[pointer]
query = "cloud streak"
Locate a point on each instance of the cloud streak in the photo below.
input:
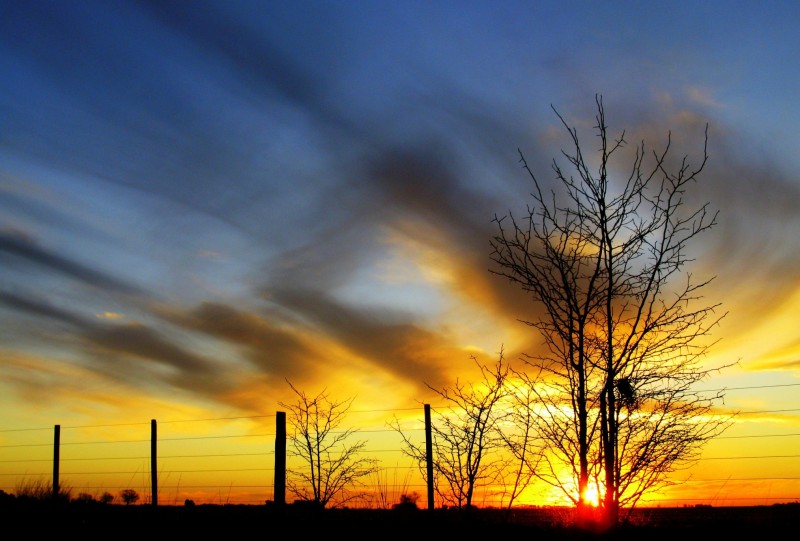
(22, 249)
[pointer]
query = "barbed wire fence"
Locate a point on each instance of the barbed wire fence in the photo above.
(224, 460)
(231, 461)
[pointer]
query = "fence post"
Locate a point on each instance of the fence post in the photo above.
(280, 458)
(56, 458)
(429, 454)
(154, 462)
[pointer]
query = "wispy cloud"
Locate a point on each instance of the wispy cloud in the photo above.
(29, 253)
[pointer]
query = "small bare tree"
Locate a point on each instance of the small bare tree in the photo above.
(465, 436)
(330, 455)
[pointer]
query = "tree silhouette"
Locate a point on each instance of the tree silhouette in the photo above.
(330, 456)
(129, 496)
(601, 255)
(521, 436)
(466, 436)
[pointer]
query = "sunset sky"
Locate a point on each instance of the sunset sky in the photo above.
(202, 199)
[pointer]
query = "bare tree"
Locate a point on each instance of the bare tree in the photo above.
(465, 436)
(623, 343)
(521, 436)
(331, 456)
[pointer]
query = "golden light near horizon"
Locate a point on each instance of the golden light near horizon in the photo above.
(193, 459)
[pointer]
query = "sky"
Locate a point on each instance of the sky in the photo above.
(202, 201)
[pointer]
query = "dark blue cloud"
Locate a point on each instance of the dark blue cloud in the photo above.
(20, 248)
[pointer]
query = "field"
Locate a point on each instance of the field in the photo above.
(96, 521)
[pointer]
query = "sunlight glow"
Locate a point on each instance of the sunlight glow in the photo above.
(591, 496)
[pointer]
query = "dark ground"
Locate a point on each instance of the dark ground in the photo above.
(98, 521)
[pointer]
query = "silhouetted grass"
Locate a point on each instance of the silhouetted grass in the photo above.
(41, 489)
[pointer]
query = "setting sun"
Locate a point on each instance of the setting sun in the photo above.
(591, 496)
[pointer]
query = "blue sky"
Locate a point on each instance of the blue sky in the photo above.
(199, 200)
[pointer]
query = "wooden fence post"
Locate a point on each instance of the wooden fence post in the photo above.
(154, 463)
(280, 458)
(56, 459)
(429, 454)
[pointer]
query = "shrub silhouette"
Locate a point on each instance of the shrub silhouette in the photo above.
(129, 496)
